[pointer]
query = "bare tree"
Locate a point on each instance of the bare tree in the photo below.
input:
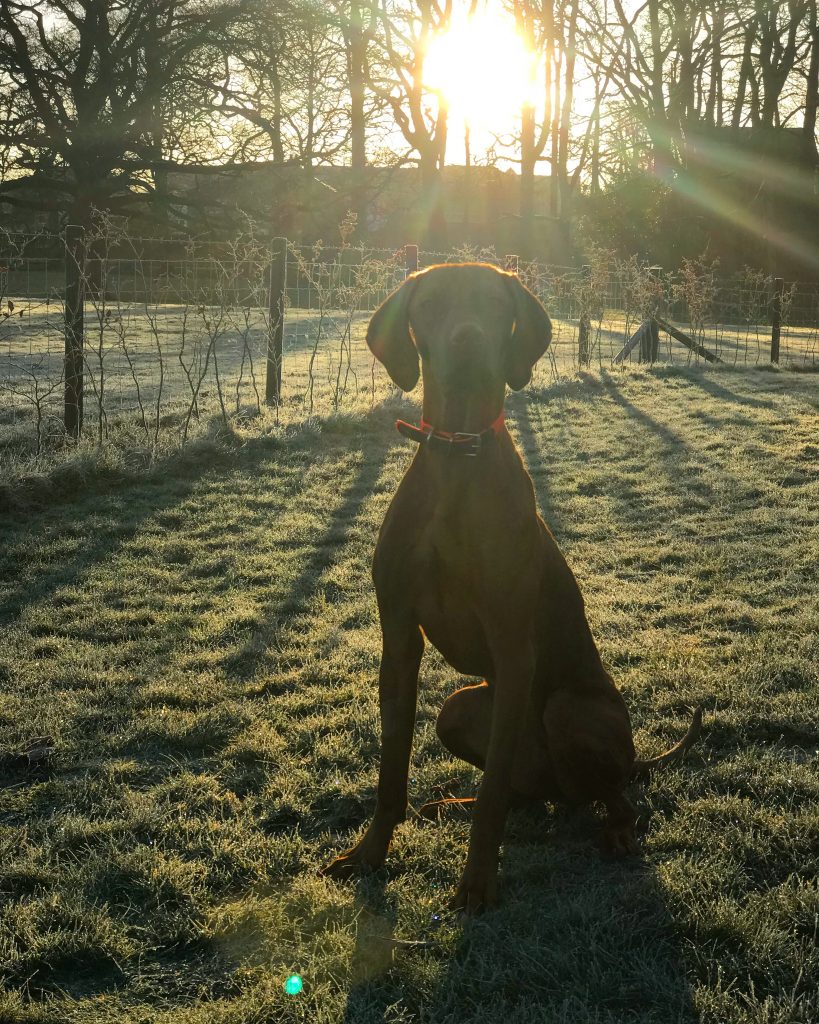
(536, 26)
(405, 30)
(92, 75)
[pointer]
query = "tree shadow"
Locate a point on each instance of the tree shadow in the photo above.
(682, 464)
(520, 406)
(103, 525)
(708, 383)
(668, 452)
(105, 514)
(672, 441)
(245, 662)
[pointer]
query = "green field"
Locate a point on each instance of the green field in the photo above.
(199, 642)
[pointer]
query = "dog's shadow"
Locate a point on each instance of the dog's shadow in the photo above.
(575, 938)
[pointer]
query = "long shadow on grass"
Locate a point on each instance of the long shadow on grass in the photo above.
(245, 662)
(532, 429)
(108, 522)
(672, 441)
(574, 939)
(519, 405)
(105, 514)
(667, 455)
(718, 390)
(216, 731)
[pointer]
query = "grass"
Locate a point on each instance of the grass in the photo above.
(201, 645)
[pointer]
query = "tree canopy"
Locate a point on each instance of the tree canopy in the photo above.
(102, 97)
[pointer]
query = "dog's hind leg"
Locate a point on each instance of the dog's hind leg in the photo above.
(463, 726)
(464, 723)
(591, 749)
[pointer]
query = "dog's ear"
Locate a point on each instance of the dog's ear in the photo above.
(530, 336)
(389, 338)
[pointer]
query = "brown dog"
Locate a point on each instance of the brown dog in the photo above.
(465, 560)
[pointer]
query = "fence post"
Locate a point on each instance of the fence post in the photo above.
(74, 327)
(650, 342)
(584, 327)
(411, 258)
(776, 318)
(275, 320)
(512, 262)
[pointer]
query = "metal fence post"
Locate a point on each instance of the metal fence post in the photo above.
(411, 258)
(74, 327)
(776, 318)
(584, 327)
(275, 321)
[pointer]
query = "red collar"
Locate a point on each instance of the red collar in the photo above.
(495, 426)
(458, 443)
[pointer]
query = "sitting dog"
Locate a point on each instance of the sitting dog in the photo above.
(464, 560)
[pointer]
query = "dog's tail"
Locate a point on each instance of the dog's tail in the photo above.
(642, 768)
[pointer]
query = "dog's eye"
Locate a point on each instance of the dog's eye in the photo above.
(424, 306)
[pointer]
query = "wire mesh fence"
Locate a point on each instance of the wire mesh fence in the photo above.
(177, 332)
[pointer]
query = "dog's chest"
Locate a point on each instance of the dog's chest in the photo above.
(447, 602)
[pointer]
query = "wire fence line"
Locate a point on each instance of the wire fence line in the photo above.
(174, 332)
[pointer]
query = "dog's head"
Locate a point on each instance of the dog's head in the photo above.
(474, 327)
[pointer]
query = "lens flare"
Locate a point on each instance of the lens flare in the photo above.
(293, 985)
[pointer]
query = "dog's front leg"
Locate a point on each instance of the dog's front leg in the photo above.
(513, 680)
(397, 696)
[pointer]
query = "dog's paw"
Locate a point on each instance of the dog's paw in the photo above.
(475, 893)
(353, 862)
(339, 868)
(619, 842)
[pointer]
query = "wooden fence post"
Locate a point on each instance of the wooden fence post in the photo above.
(650, 347)
(275, 322)
(650, 342)
(776, 318)
(74, 327)
(411, 258)
(584, 327)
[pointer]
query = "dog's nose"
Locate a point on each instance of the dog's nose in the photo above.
(466, 335)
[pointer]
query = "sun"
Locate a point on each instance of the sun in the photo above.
(482, 70)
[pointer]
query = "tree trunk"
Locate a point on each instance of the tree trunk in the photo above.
(662, 156)
(812, 88)
(432, 228)
(527, 182)
(713, 109)
(554, 191)
(566, 110)
(357, 57)
(746, 73)
(357, 54)
(276, 119)
(468, 183)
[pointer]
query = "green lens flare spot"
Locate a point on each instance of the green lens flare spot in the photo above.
(293, 985)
